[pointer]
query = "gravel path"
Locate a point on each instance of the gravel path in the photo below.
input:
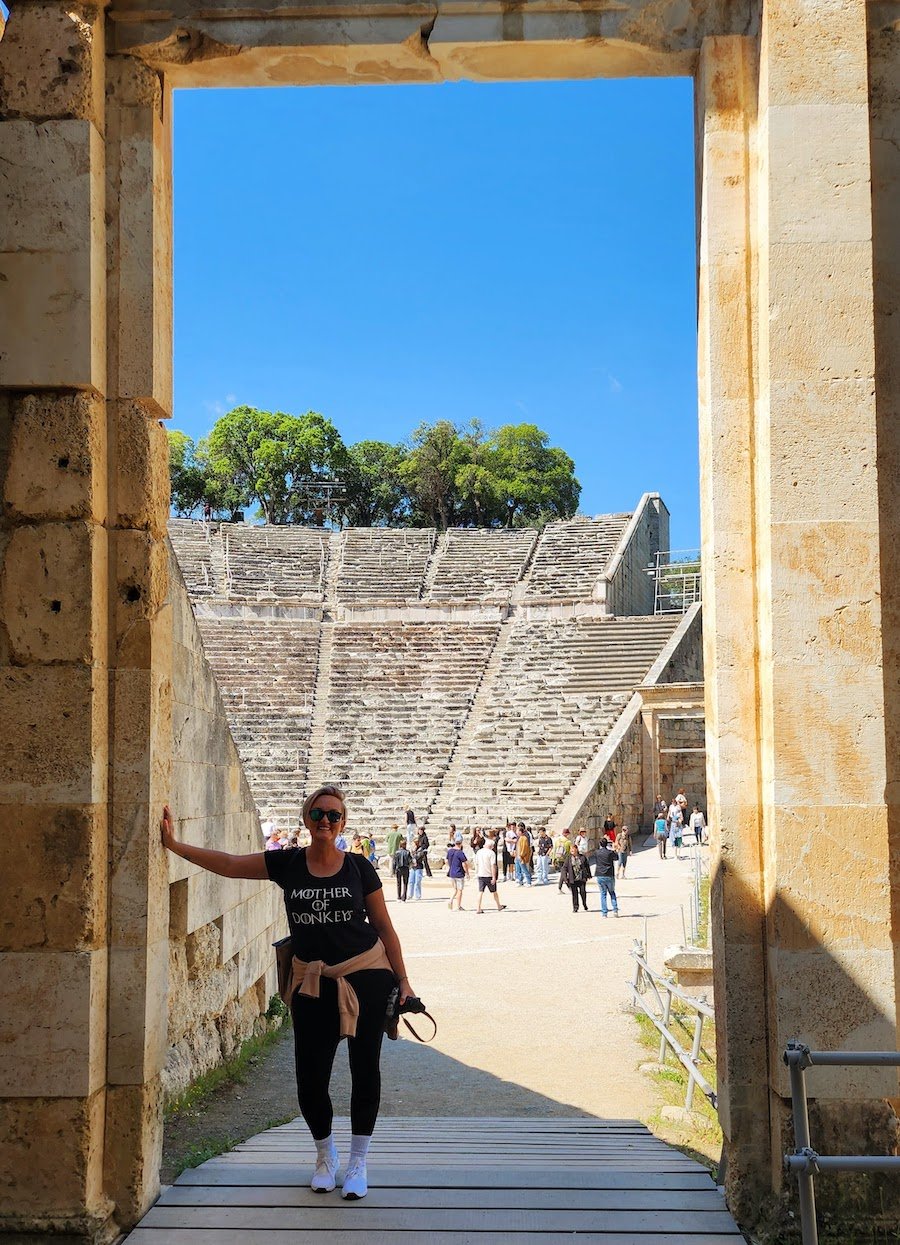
(530, 1004)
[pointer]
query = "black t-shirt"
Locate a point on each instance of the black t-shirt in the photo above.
(326, 916)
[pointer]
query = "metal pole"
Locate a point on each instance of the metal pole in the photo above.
(795, 1058)
(667, 1007)
(683, 927)
(695, 1059)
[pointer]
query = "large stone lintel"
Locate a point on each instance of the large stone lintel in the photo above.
(414, 41)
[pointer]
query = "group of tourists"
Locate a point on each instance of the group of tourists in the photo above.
(671, 822)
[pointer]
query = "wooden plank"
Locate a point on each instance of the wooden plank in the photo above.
(236, 1174)
(299, 1236)
(428, 1199)
(339, 1217)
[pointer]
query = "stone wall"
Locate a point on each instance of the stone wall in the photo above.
(221, 967)
(682, 757)
(619, 789)
(686, 664)
(628, 588)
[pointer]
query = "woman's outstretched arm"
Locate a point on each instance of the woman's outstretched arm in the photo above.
(227, 865)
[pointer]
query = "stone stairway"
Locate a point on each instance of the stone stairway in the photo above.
(315, 768)
(553, 697)
(452, 1181)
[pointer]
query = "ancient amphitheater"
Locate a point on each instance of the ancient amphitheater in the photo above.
(473, 675)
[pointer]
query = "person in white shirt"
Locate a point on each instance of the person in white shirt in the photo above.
(698, 825)
(581, 842)
(267, 826)
(486, 872)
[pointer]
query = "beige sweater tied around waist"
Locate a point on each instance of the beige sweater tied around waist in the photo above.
(306, 977)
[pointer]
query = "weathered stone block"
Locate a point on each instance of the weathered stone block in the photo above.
(52, 256)
(53, 729)
(821, 297)
(139, 193)
(138, 877)
(56, 457)
(819, 170)
(142, 470)
(814, 51)
(53, 593)
(137, 1012)
(134, 1135)
(52, 1023)
(143, 628)
(51, 1165)
(53, 862)
(51, 63)
(141, 762)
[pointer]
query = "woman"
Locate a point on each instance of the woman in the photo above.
(623, 847)
(576, 872)
(609, 828)
(419, 857)
(345, 952)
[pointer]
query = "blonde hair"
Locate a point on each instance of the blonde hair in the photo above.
(329, 788)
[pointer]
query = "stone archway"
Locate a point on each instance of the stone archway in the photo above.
(798, 110)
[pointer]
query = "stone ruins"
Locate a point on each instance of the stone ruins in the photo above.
(107, 707)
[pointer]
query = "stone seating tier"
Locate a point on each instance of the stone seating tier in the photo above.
(559, 688)
(480, 565)
(571, 556)
(383, 563)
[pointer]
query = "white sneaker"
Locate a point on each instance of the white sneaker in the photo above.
(324, 1178)
(355, 1182)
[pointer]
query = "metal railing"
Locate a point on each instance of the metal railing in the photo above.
(646, 979)
(676, 576)
(804, 1160)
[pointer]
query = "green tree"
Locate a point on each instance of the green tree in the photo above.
(376, 494)
(429, 472)
(535, 479)
(272, 458)
(187, 471)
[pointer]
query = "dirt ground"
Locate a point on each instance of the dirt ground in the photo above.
(531, 1005)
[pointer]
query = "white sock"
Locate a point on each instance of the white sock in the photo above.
(326, 1149)
(359, 1146)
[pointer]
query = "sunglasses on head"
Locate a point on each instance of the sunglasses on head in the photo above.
(316, 814)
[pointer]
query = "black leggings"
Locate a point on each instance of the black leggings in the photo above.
(317, 1031)
(402, 876)
(578, 888)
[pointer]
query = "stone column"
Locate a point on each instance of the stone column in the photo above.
(85, 634)
(792, 480)
(54, 671)
(727, 321)
(140, 392)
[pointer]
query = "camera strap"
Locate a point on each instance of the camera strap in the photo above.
(428, 1016)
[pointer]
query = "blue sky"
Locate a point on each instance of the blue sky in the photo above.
(387, 255)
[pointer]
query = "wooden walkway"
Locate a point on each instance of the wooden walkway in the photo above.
(478, 1181)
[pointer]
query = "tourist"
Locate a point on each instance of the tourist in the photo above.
(682, 801)
(477, 840)
(544, 848)
(523, 858)
(422, 841)
(340, 842)
(361, 962)
(412, 830)
(510, 841)
(273, 843)
(267, 828)
(676, 827)
(609, 827)
(698, 825)
(576, 871)
(562, 847)
(394, 836)
(457, 871)
(661, 833)
(357, 846)
(660, 807)
(583, 842)
(623, 848)
(400, 866)
(486, 873)
(605, 874)
(418, 859)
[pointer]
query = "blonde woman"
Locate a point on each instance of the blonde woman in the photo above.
(346, 955)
